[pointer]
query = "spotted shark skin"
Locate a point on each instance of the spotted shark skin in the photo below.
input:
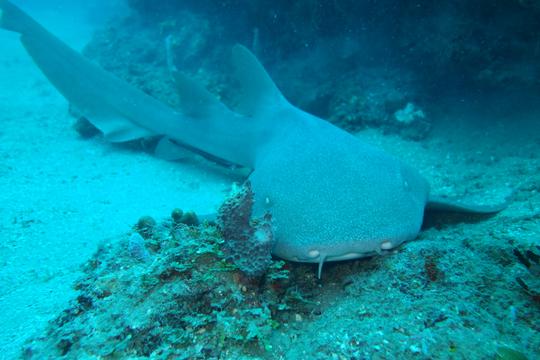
(331, 196)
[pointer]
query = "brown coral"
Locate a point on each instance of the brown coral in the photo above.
(248, 242)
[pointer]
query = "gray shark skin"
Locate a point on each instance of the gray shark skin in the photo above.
(331, 196)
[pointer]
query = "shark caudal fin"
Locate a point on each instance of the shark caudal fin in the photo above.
(14, 19)
(116, 108)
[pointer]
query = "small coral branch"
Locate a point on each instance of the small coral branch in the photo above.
(248, 242)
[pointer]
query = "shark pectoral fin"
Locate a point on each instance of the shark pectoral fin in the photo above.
(452, 205)
(259, 90)
(118, 129)
(170, 151)
(195, 100)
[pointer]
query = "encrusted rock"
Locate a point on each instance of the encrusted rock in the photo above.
(137, 249)
(248, 242)
(146, 226)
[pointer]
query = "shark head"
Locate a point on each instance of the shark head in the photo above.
(335, 198)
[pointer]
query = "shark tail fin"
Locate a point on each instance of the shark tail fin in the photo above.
(14, 19)
(119, 110)
(259, 90)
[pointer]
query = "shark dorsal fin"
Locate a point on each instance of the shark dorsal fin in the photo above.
(195, 100)
(259, 91)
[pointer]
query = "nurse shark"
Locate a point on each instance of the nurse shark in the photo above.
(331, 196)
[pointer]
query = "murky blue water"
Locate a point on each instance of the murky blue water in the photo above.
(450, 88)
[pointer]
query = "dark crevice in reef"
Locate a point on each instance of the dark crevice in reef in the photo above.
(383, 64)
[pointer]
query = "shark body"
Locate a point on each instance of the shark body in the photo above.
(331, 196)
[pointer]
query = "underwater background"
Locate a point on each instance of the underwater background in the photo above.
(102, 255)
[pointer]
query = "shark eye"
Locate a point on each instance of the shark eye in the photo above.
(313, 253)
(386, 245)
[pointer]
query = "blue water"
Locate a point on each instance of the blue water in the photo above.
(96, 259)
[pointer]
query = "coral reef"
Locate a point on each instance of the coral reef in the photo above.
(146, 227)
(136, 248)
(354, 63)
(485, 42)
(377, 100)
(451, 294)
(198, 50)
(185, 301)
(180, 217)
(135, 50)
